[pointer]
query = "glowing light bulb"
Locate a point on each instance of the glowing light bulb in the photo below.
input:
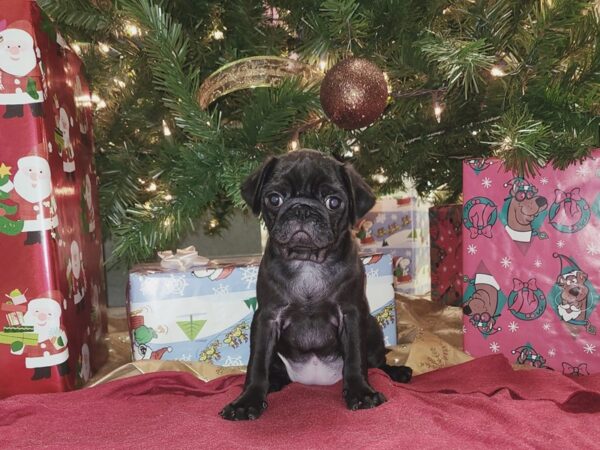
(294, 145)
(119, 83)
(379, 178)
(218, 35)
(214, 223)
(166, 129)
(323, 64)
(131, 29)
(497, 72)
(101, 104)
(168, 197)
(151, 187)
(437, 111)
(104, 48)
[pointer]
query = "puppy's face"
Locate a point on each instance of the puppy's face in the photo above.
(308, 201)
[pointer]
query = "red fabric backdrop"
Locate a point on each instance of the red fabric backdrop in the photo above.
(480, 404)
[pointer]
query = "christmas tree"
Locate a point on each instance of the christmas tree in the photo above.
(191, 96)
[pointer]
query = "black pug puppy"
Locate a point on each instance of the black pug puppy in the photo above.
(312, 324)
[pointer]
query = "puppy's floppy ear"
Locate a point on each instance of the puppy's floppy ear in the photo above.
(360, 196)
(252, 186)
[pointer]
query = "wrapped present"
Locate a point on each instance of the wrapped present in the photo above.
(203, 313)
(55, 280)
(400, 227)
(531, 258)
(445, 229)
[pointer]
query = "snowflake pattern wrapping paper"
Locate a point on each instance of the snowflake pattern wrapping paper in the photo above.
(531, 259)
(445, 229)
(400, 227)
(204, 314)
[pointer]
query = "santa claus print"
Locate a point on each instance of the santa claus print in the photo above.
(82, 104)
(44, 315)
(63, 138)
(88, 215)
(32, 192)
(85, 370)
(21, 76)
(76, 276)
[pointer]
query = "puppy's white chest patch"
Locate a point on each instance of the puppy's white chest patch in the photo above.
(314, 370)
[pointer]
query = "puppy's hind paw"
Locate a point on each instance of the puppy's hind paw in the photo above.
(400, 374)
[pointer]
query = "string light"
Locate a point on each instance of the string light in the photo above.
(496, 71)
(379, 178)
(104, 48)
(166, 129)
(437, 111)
(141, 181)
(213, 223)
(387, 82)
(218, 35)
(355, 148)
(323, 63)
(151, 187)
(101, 104)
(131, 29)
(168, 197)
(293, 145)
(119, 82)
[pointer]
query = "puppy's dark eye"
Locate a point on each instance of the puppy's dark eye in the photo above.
(332, 202)
(274, 200)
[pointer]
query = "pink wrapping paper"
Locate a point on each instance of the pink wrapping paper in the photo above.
(531, 259)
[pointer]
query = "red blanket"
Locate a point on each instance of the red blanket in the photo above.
(480, 404)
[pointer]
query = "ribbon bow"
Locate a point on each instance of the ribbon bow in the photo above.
(183, 259)
(485, 231)
(573, 196)
(581, 369)
(518, 285)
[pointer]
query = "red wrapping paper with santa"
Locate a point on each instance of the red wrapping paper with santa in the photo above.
(52, 288)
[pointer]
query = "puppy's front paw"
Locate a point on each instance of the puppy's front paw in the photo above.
(363, 397)
(246, 407)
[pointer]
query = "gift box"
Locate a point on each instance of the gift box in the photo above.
(400, 227)
(445, 230)
(204, 313)
(531, 257)
(52, 294)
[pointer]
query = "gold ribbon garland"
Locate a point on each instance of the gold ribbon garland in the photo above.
(256, 71)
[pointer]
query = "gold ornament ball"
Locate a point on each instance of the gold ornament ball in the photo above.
(354, 93)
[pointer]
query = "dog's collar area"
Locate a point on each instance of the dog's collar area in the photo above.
(305, 253)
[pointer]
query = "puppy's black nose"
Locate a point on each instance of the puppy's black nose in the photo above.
(574, 291)
(541, 201)
(302, 211)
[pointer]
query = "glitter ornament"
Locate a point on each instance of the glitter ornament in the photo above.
(354, 93)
